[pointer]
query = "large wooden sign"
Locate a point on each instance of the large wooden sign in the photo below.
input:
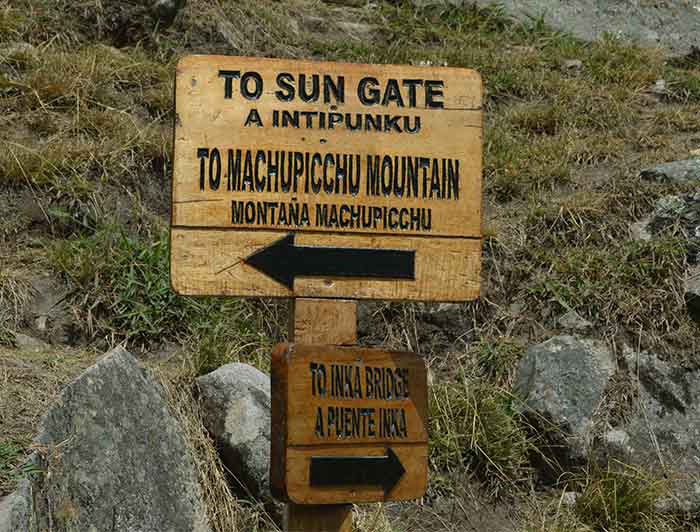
(303, 179)
(348, 425)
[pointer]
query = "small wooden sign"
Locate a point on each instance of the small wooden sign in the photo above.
(304, 179)
(349, 425)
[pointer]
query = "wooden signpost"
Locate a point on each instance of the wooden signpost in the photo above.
(327, 183)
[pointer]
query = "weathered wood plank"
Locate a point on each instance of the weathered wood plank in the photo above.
(205, 262)
(348, 402)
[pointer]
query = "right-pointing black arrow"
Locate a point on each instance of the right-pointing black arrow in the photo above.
(338, 471)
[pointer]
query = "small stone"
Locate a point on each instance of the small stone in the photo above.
(571, 64)
(516, 309)
(29, 344)
(568, 499)
(670, 207)
(695, 152)
(574, 322)
(166, 10)
(617, 444)
(40, 323)
(640, 230)
(658, 88)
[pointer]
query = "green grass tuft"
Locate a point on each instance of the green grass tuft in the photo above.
(473, 424)
(123, 293)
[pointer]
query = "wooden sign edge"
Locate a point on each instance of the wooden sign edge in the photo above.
(279, 384)
(188, 61)
(278, 420)
(182, 63)
(475, 291)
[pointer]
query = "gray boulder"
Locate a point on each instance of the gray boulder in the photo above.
(236, 411)
(14, 509)
(663, 431)
(113, 458)
(675, 172)
(671, 24)
(562, 380)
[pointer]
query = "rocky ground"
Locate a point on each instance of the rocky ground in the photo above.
(565, 399)
(670, 24)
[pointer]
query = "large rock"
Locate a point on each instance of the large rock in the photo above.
(236, 411)
(671, 24)
(663, 430)
(563, 380)
(675, 172)
(14, 509)
(113, 458)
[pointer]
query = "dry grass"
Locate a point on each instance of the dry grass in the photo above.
(15, 292)
(85, 119)
(225, 512)
(29, 381)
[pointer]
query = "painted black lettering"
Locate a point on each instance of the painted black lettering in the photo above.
(256, 91)
(303, 86)
(202, 154)
(333, 90)
(253, 118)
(229, 76)
(236, 212)
(433, 94)
(392, 93)
(285, 82)
(367, 91)
(214, 169)
(233, 172)
(318, 429)
(412, 85)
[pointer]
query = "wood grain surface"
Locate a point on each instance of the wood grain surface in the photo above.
(303, 427)
(206, 119)
(324, 322)
(267, 147)
(205, 262)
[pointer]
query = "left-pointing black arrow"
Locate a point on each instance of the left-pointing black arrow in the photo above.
(283, 261)
(338, 471)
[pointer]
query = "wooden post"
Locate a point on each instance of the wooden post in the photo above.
(321, 321)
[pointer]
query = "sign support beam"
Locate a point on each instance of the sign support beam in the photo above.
(321, 321)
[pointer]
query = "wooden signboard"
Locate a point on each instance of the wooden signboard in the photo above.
(303, 179)
(349, 424)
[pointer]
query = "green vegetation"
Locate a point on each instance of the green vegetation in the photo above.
(11, 452)
(130, 298)
(617, 498)
(85, 123)
(473, 424)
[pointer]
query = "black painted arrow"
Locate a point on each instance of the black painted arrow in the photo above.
(337, 471)
(283, 261)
